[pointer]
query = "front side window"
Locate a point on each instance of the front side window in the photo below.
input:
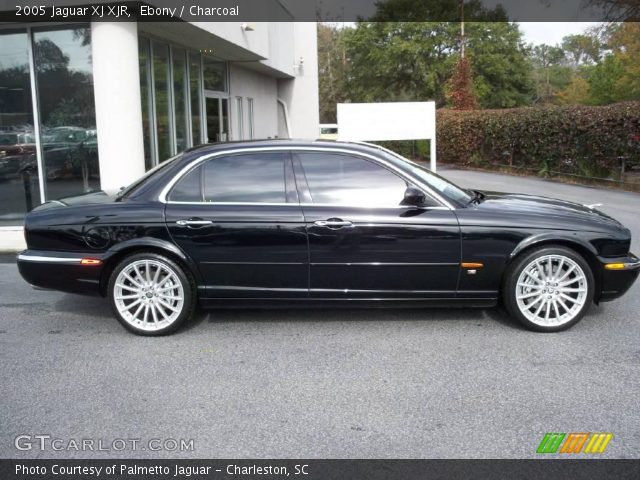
(247, 178)
(440, 184)
(339, 179)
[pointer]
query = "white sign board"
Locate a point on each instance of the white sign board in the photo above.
(389, 121)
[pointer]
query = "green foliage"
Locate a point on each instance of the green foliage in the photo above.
(577, 140)
(551, 72)
(599, 67)
(412, 61)
(581, 49)
(575, 93)
(625, 42)
(332, 65)
(602, 80)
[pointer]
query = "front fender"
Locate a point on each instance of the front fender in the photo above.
(568, 238)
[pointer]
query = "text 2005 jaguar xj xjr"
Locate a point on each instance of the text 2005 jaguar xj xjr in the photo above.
(283, 222)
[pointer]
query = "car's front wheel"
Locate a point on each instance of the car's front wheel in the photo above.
(151, 294)
(549, 289)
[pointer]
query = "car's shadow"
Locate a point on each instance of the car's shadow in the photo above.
(95, 307)
(273, 315)
(98, 309)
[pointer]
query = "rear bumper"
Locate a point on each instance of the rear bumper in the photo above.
(616, 282)
(63, 271)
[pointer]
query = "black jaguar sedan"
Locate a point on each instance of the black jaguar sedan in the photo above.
(281, 222)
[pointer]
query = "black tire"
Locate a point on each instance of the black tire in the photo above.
(514, 271)
(186, 283)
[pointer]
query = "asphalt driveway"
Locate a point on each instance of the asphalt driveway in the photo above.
(318, 384)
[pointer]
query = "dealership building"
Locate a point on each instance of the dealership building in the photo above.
(93, 106)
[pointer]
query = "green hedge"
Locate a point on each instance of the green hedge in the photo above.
(574, 140)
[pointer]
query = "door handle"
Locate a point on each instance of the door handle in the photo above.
(333, 223)
(194, 222)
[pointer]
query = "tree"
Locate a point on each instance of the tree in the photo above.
(332, 65)
(500, 63)
(625, 42)
(576, 93)
(581, 49)
(414, 60)
(618, 10)
(603, 78)
(551, 73)
(461, 94)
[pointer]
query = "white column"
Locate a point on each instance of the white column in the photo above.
(301, 93)
(116, 85)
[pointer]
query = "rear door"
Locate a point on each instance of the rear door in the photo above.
(363, 243)
(239, 218)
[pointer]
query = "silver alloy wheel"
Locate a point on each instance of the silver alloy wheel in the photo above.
(551, 290)
(148, 294)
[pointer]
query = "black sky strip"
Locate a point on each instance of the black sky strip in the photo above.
(320, 10)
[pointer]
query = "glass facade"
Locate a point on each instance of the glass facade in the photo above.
(215, 75)
(162, 97)
(195, 97)
(250, 113)
(64, 79)
(184, 99)
(146, 98)
(48, 139)
(180, 98)
(239, 119)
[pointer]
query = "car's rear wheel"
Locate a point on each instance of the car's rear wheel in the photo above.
(549, 289)
(151, 294)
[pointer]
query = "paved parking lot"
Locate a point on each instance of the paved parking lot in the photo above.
(317, 384)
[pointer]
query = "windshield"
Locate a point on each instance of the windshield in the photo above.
(441, 185)
(124, 193)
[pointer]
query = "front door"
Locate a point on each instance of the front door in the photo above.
(362, 242)
(238, 217)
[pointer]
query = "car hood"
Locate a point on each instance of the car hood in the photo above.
(551, 212)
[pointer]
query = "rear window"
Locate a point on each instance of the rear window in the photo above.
(247, 178)
(125, 192)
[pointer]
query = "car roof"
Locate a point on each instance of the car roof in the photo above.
(279, 142)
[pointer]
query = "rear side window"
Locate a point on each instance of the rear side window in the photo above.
(247, 178)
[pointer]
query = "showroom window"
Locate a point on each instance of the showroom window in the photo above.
(178, 88)
(239, 119)
(48, 139)
(250, 114)
(195, 98)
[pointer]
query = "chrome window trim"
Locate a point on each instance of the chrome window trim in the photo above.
(46, 259)
(165, 191)
(283, 204)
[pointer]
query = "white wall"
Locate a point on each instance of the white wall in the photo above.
(301, 93)
(264, 91)
(256, 41)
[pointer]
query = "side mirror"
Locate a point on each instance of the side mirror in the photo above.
(414, 196)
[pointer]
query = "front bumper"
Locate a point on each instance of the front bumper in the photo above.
(63, 271)
(618, 275)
